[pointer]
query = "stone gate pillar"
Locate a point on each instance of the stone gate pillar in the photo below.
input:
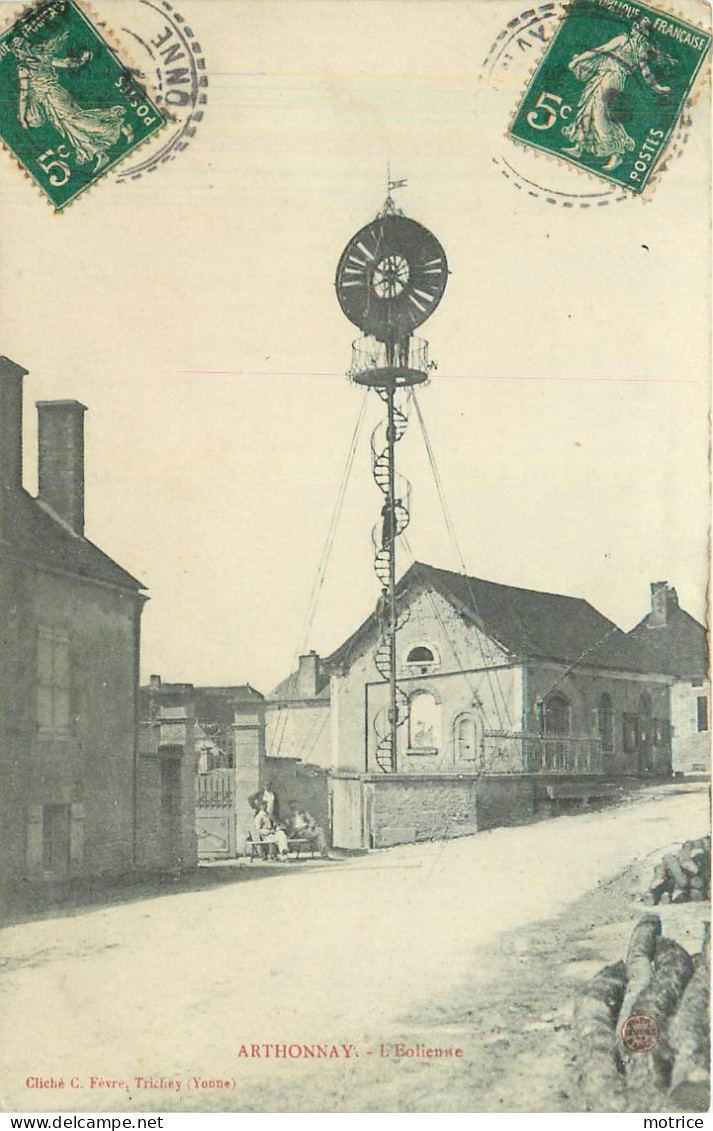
(249, 749)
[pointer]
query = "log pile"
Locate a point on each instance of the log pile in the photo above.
(642, 1027)
(683, 876)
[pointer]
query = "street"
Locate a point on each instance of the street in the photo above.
(290, 987)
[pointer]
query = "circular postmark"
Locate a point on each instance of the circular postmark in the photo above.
(640, 1033)
(505, 73)
(168, 55)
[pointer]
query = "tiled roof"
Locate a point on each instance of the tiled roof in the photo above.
(38, 538)
(525, 622)
(680, 647)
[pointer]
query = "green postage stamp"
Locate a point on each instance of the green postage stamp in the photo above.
(70, 109)
(610, 88)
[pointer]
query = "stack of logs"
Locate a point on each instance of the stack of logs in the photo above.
(684, 876)
(670, 992)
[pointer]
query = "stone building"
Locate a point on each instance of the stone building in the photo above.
(670, 640)
(69, 661)
(512, 699)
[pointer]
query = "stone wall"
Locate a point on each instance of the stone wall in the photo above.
(88, 766)
(166, 825)
(402, 809)
(299, 730)
(691, 746)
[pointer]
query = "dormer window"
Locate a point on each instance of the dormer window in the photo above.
(422, 658)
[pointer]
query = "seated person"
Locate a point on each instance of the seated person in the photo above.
(304, 827)
(268, 833)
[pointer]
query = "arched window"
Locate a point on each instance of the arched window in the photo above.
(420, 655)
(465, 738)
(555, 716)
(605, 722)
(424, 722)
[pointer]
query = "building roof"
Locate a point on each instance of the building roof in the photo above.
(288, 689)
(679, 647)
(524, 622)
(211, 704)
(40, 538)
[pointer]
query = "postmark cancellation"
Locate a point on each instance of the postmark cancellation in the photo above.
(611, 88)
(72, 109)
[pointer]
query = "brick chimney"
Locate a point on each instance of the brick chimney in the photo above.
(10, 429)
(61, 460)
(307, 675)
(664, 600)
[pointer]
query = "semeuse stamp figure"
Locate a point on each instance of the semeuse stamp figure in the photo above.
(91, 131)
(604, 70)
(72, 110)
(606, 95)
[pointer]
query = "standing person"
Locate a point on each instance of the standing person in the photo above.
(270, 798)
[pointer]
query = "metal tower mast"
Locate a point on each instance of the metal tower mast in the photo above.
(390, 278)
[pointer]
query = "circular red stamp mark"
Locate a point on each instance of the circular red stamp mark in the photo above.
(640, 1033)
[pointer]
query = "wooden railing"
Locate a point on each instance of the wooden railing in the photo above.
(522, 753)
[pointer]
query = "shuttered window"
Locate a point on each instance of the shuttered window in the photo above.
(52, 681)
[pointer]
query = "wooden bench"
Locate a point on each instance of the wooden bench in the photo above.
(298, 846)
(267, 849)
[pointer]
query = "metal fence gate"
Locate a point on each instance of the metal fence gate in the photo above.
(215, 813)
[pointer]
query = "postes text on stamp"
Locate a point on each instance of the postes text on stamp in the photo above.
(71, 109)
(610, 89)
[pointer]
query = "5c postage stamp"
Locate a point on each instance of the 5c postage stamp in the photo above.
(70, 109)
(610, 89)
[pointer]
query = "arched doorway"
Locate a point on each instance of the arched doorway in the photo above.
(605, 727)
(555, 725)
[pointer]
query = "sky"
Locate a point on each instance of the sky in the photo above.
(193, 312)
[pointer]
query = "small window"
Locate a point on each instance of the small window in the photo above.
(423, 723)
(52, 681)
(466, 739)
(420, 655)
(702, 712)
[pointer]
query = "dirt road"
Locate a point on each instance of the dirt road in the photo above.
(162, 1003)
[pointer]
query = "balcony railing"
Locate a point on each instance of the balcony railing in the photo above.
(405, 361)
(541, 754)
